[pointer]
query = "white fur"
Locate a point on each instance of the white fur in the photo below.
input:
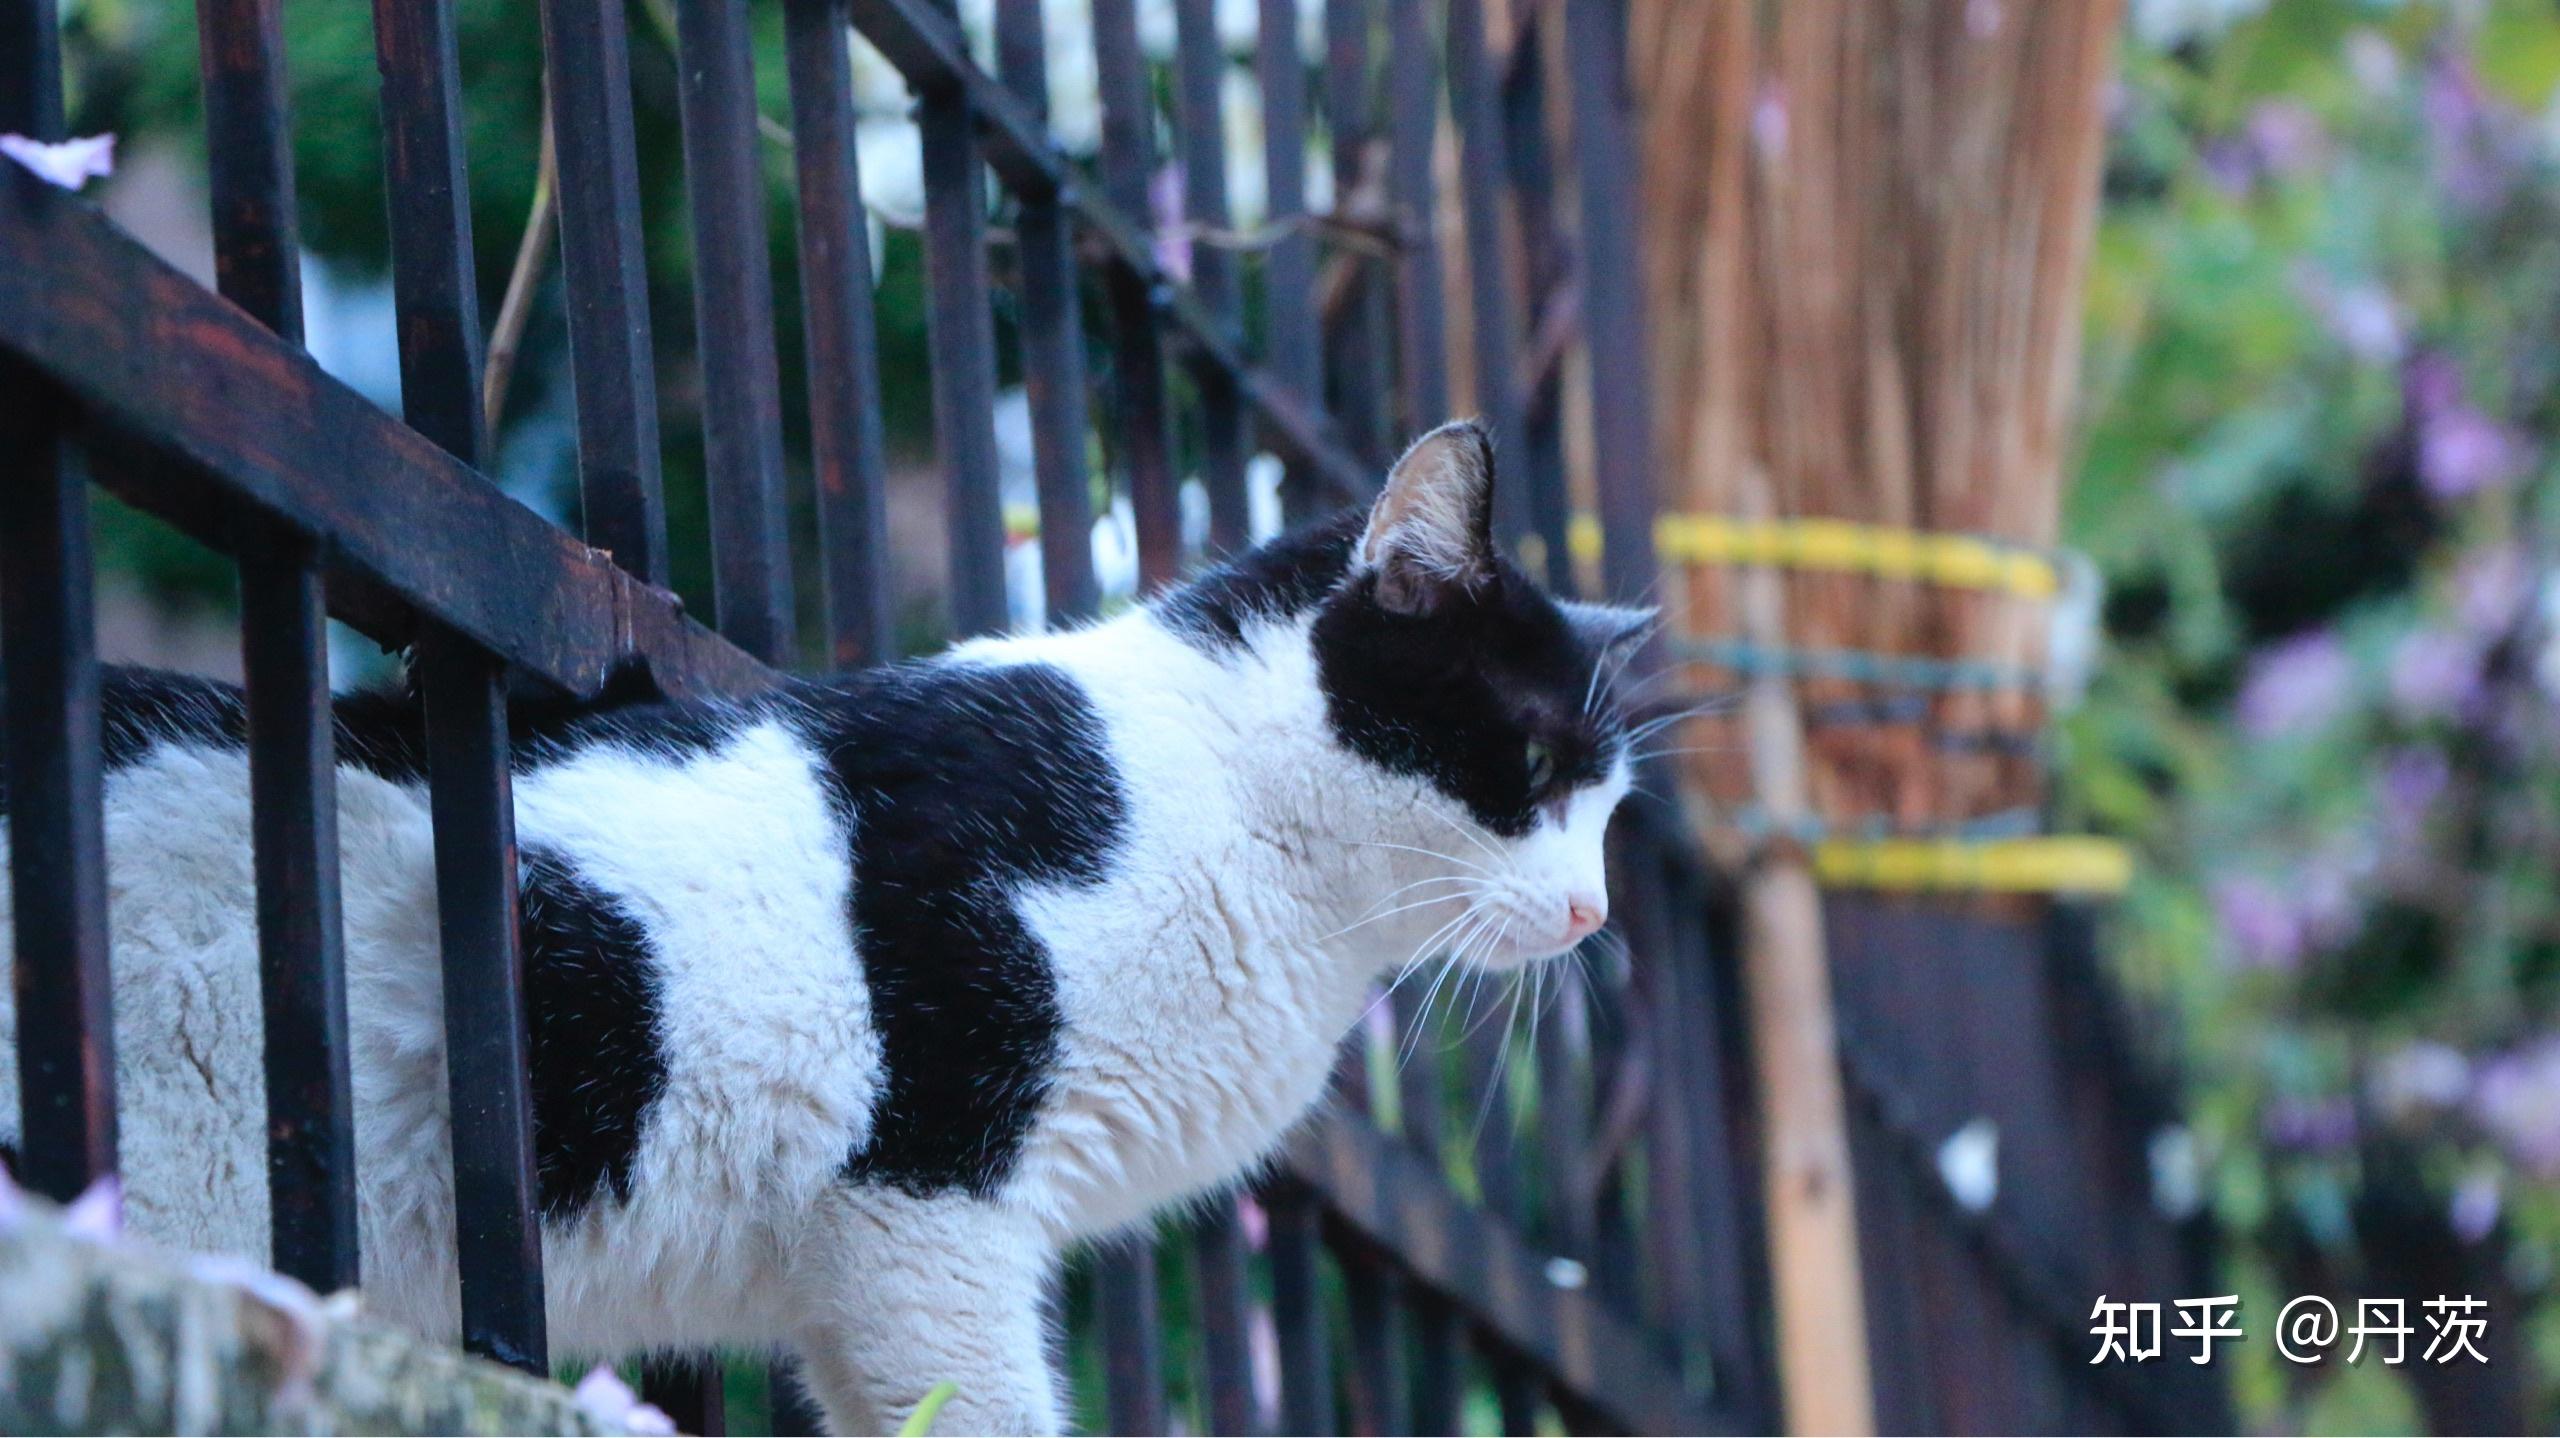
(1260, 892)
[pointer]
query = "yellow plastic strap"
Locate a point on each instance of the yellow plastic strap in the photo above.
(2050, 865)
(1960, 561)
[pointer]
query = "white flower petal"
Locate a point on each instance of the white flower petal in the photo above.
(70, 164)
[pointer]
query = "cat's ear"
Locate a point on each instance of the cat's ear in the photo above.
(1609, 630)
(1431, 531)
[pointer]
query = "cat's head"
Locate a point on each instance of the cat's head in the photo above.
(1443, 663)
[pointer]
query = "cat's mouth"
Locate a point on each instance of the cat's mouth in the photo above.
(1518, 935)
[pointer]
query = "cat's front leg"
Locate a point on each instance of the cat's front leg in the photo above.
(898, 1294)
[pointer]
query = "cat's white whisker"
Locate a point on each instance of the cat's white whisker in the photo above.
(1422, 1011)
(1427, 853)
(1466, 830)
(1377, 918)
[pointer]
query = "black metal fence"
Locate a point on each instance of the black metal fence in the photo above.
(1599, 1269)
(1992, 1016)
(1508, 1231)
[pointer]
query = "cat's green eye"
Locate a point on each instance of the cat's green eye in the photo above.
(1542, 764)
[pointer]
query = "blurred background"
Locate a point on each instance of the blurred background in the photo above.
(2313, 464)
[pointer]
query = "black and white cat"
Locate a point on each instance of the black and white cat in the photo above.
(856, 1003)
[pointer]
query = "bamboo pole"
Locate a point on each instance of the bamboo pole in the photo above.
(1813, 1220)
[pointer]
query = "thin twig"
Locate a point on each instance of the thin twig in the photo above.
(533, 256)
(662, 18)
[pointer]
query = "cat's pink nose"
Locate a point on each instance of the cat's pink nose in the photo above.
(1584, 914)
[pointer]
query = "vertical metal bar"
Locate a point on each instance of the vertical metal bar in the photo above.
(1728, 1245)
(472, 804)
(1052, 345)
(1533, 185)
(1377, 1384)
(1297, 1310)
(1563, 1099)
(1413, 126)
(1487, 1053)
(846, 447)
(1199, 68)
(961, 329)
(1475, 103)
(733, 328)
(1673, 1260)
(1355, 338)
(31, 63)
(689, 1391)
(586, 52)
(1595, 41)
(57, 845)
(1517, 1393)
(249, 160)
(48, 639)
(1438, 1338)
(311, 1173)
(285, 660)
(1439, 1364)
(470, 798)
(426, 179)
(1293, 348)
(1137, 353)
(1218, 1251)
(1124, 1293)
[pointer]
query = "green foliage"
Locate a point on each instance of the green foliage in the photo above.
(2322, 389)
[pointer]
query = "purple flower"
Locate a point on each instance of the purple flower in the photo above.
(2411, 781)
(2430, 384)
(2260, 929)
(2286, 139)
(2419, 1076)
(2475, 157)
(609, 1403)
(2435, 674)
(97, 1215)
(2476, 1201)
(2462, 451)
(2321, 1125)
(2491, 588)
(2361, 317)
(2367, 322)
(2229, 165)
(70, 164)
(2373, 61)
(2294, 685)
(2517, 1099)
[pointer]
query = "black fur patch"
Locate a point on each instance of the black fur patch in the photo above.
(1457, 695)
(383, 731)
(1279, 580)
(597, 1045)
(591, 1011)
(142, 707)
(958, 783)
